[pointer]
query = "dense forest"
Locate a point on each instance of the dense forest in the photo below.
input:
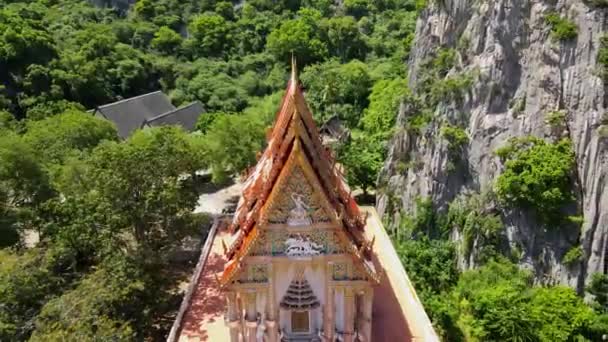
(109, 213)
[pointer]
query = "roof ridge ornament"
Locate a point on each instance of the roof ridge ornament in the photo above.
(294, 70)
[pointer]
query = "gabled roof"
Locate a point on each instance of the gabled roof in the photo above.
(185, 117)
(294, 131)
(129, 114)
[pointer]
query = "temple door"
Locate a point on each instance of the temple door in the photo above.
(300, 321)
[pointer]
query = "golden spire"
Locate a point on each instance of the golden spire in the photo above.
(294, 70)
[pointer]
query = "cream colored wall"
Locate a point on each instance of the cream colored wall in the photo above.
(339, 304)
(260, 303)
(315, 274)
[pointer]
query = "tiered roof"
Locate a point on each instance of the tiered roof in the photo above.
(294, 134)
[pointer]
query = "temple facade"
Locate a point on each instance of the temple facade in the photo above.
(299, 265)
(299, 260)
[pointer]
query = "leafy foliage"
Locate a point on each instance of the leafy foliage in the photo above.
(561, 28)
(573, 255)
(340, 90)
(456, 137)
(478, 225)
(598, 288)
(299, 37)
(58, 137)
(536, 175)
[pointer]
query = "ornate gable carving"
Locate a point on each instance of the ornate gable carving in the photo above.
(297, 202)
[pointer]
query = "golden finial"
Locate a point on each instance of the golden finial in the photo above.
(294, 69)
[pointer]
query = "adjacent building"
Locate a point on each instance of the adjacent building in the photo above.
(152, 109)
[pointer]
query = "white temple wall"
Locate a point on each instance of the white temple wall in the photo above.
(315, 274)
(283, 275)
(260, 304)
(339, 301)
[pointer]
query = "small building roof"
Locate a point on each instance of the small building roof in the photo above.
(185, 116)
(128, 114)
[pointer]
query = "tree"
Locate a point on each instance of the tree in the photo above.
(598, 288)
(536, 175)
(24, 39)
(560, 314)
(166, 41)
(106, 305)
(146, 183)
(24, 185)
(334, 89)
(344, 39)
(362, 158)
(211, 35)
(68, 134)
(357, 8)
(380, 116)
(27, 281)
(300, 37)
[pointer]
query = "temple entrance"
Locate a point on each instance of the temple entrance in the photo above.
(300, 322)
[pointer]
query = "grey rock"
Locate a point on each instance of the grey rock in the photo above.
(523, 74)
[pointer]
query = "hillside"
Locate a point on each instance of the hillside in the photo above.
(478, 126)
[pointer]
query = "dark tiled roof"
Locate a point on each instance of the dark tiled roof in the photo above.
(185, 117)
(129, 114)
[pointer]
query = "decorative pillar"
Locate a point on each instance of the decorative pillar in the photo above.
(329, 308)
(272, 327)
(251, 323)
(349, 315)
(234, 322)
(366, 314)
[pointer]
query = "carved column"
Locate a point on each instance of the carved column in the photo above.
(272, 327)
(349, 315)
(251, 323)
(366, 313)
(329, 308)
(234, 322)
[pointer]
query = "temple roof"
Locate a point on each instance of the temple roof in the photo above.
(294, 133)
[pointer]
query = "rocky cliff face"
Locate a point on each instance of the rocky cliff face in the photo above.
(520, 74)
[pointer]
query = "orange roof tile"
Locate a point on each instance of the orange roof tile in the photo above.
(293, 123)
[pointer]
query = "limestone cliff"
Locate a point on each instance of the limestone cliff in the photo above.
(520, 73)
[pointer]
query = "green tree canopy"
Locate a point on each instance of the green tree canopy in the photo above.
(58, 137)
(300, 37)
(211, 35)
(537, 175)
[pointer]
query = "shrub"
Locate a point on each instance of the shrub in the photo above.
(556, 119)
(574, 255)
(451, 88)
(456, 137)
(561, 28)
(469, 216)
(537, 175)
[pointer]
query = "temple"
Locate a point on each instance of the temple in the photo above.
(299, 260)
